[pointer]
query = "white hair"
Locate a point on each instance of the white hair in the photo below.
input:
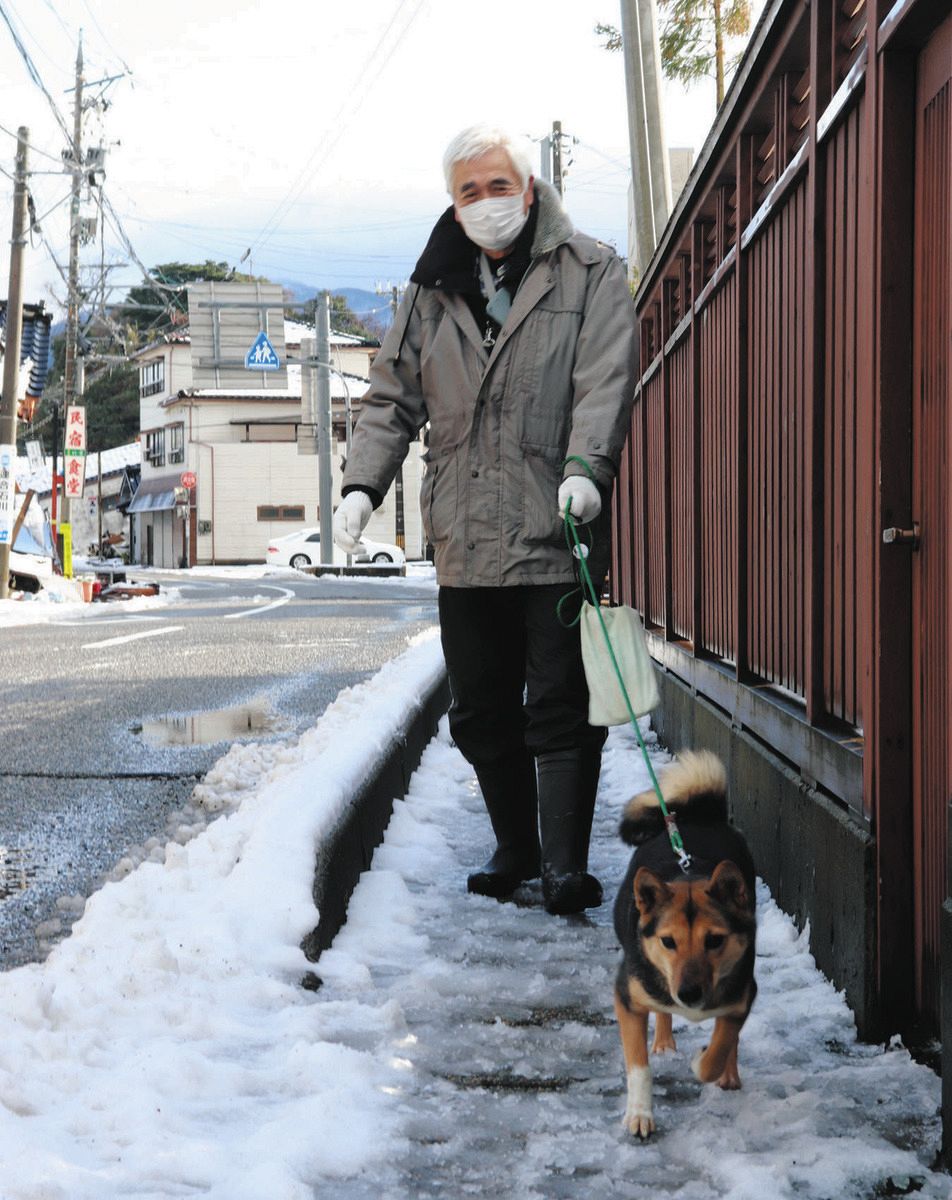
(480, 139)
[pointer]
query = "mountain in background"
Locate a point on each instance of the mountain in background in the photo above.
(365, 305)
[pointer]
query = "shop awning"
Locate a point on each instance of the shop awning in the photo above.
(154, 497)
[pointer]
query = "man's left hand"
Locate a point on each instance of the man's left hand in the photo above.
(582, 496)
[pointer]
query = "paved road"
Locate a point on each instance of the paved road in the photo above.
(88, 704)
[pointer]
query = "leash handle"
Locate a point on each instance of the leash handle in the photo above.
(580, 551)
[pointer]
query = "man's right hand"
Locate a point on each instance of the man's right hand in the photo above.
(350, 519)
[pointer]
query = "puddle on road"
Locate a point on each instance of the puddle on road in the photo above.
(223, 725)
(16, 872)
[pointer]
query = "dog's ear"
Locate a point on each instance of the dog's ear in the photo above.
(650, 891)
(728, 887)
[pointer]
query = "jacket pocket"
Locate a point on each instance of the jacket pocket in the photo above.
(439, 494)
(541, 476)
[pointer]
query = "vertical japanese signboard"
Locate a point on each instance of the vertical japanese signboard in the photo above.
(8, 461)
(75, 450)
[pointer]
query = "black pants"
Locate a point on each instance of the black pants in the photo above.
(515, 672)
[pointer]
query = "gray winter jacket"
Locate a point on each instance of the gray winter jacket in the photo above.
(559, 381)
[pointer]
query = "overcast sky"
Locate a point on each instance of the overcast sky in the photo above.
(310, 132)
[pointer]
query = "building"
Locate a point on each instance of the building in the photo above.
(109, 495)
(783, 517)
(35, 337)
(222, 468)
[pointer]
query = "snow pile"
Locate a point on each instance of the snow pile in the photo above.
(512, 1074)
(167, 1047)
(457, 1046)
(62, 603)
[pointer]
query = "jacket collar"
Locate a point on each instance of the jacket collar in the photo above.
(448, 261)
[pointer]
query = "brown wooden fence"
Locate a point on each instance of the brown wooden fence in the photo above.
(795, 406)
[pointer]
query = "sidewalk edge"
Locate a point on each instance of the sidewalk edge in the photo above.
(348, 850)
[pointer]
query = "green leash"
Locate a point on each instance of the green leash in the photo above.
(580, 551)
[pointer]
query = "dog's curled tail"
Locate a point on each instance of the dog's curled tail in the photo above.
(694, 785)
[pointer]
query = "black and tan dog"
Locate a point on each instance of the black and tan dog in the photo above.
(687, 938)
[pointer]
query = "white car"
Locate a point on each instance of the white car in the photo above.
(303, 549)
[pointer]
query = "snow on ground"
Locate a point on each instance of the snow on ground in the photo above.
(60, 601)
(457, 1047)
(62, 605)
(166, 1048)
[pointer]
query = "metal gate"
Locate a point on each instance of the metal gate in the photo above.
(932, 509)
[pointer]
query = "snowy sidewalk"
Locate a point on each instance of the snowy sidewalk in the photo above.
(458, 1047)
(506, 1068)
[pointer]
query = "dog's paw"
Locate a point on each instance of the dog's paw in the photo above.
(724, 1075)
(639, 1119)
(697, 1066)
(641, 1124)
(664, 1045)
(730, 1080)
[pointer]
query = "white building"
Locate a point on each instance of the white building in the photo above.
(221, 469)
(103, 502)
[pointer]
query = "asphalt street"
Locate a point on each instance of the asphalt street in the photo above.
(110, 720)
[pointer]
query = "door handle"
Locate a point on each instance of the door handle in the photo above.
(902, 537)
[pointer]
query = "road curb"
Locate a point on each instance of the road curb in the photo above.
(347, 851)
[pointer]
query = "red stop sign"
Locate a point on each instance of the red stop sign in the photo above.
(188, 479)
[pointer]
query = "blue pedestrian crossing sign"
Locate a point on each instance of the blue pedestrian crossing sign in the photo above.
(262, 356)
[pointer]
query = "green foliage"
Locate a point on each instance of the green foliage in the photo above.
(153, 310)
(611, 34)
(343, 319)
(111, 399)
(112, 408)
(692, 35)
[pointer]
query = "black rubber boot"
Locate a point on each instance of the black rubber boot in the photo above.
(509, 791)
(568, 782)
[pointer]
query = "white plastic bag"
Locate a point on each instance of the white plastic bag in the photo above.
(606, 704)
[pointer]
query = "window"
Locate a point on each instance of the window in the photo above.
(177, 443)
(152, 377)
(280, 512)
(155, 447)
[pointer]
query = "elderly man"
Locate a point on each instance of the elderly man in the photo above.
(516, 342)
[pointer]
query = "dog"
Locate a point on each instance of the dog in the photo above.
(687, 938)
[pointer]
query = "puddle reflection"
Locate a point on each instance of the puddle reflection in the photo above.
(16, 873)
(223, 725)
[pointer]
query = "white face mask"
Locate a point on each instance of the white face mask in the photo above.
(493, 224)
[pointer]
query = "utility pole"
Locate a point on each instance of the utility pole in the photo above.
(650, 166)
(72, 299)
(545, 159)
(325, 494)
(11, 361)
(399, 520)
(555, 157)
(557, 182)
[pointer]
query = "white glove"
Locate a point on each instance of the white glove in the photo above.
(586, 503)
(351, 517)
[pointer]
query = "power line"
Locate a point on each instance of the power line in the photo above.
(124, 238)
(73, 141)
(33, 149)
(323, 151)
(92, 16)
(37, 79)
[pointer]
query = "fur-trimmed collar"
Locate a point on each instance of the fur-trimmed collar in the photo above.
(554, 225)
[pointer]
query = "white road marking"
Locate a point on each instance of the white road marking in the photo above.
(132, 637)
(97, 621)
(286, 595)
